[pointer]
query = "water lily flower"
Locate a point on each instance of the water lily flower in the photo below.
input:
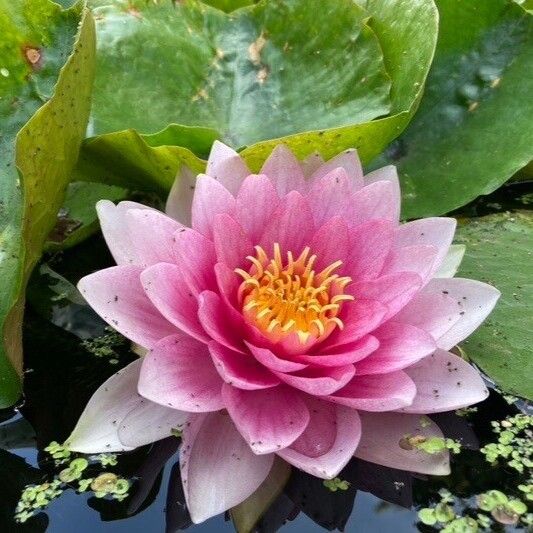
(285, 313)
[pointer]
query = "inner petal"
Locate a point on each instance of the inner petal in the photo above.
(283, 295)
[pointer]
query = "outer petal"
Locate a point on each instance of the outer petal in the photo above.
(384, 435)
(152, 235)
(392, 290)
(388, 173)
(232, 245)
(418, 258)
(167, 289)
(450, 264)
(383, 392)
(444, 382)
(475, 300)
(256, 202)
(195, 256)
(178, 372)
(291, 226)
(284, 170)
(268, 419)
(311, 164)
(377, 200)
(179, 200)
(400, 345)
(329, 441)
(218, 468)
(319, 381)
(436, 231)
(349, 162)
(150, 422)
(329, 195)
(113, 226)
(116, 294)
(210, 198)
(241, 370)
(226, 166)
(97, 428)
(434, 312)
(370, 244)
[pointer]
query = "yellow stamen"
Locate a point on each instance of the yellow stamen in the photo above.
(283, 297)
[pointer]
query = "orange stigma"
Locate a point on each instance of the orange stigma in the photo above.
(281, 297)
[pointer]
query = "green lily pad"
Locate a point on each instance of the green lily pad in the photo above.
(474, 127)
(46, 62)
(77, 218)
(498, 251)
(301, 102)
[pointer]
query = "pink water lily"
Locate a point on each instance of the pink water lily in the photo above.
(287, 313)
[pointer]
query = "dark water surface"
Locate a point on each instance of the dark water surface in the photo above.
(62, 374)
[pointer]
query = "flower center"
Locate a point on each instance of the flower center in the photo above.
(282, 297)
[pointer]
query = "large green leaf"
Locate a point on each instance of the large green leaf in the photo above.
(498, 251)
(312, 62)
(47, 58)
(474, 127)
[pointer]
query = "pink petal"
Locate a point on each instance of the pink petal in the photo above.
(226, 166)
(232, 245)
(149, 423)
(268, 419)
(179, 373)
(152, 235)
(392, 290)
(380, 392)
(349, 162)
(360, 317)
(273, 362)
(435, 313)
(220, 321)
(218, 468)
(400, 345)
(97, 428)
(329, 195)
(475, 301)
(291, 226)
(451, 262)
(167, 289)
(179, 200)
(256, 202)
(319, 381)
(377, 200)
(437, 232)
(195, 257)
(342, 355)
(311, 164)
(370, 243)
(117, 295)
(241, 370)
(383, 441)
(228, 284)
(390, 174)
(284, 170)
(418, 258)
(328, 443)
(445, 382)
(210, 199)
(113, 224)
(331, 243)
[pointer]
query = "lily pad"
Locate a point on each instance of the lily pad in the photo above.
(474, 127)
(269, 81)
(498, 251)
(46, 56)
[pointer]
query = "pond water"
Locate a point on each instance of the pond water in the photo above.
(62, 371)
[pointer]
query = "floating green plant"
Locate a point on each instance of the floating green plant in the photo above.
(336, 484)
(105, 346)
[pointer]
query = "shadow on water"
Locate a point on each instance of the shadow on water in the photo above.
(65, 365)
